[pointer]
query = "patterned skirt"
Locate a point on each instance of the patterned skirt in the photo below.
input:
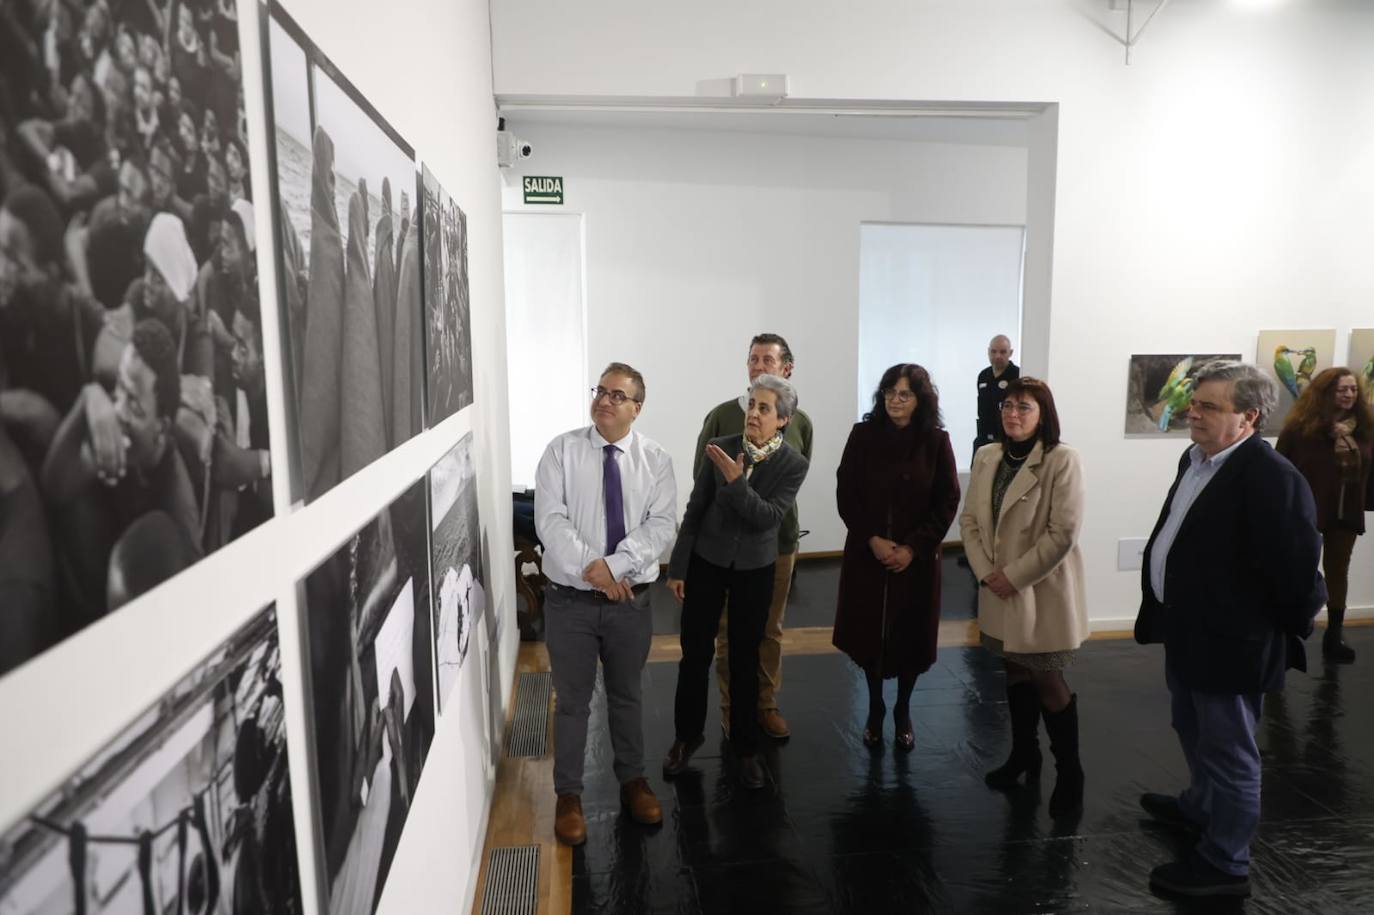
(1048, 660)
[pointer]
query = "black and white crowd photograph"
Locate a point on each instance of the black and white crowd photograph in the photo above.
(133, 412)
(459, 597)
(372, 694)
(187, 811)
(447, 304)
(346, 193)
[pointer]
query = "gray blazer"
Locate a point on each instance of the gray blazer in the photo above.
(736, 524)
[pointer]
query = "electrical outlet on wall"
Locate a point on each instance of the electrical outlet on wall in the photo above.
(1130, 553)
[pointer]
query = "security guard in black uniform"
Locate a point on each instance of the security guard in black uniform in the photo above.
(992, 382)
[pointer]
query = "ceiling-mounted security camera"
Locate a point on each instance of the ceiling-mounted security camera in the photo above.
(510, 149)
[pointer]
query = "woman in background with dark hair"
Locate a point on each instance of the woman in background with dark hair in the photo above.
(1329, 437)
(898, 492)
(1020, 527)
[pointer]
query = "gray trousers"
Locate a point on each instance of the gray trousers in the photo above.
(1217, 732)
(580, 630)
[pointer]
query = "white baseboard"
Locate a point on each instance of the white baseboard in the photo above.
(1118, 623)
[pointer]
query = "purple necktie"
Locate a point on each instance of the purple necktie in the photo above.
(615, 501)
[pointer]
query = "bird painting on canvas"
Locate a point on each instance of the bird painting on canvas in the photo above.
(1176, 393)
(1283, 368)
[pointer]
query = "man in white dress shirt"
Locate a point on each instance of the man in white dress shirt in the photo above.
(605, 507)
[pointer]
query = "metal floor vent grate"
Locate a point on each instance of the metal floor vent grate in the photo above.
(512, 881)
(529, 728)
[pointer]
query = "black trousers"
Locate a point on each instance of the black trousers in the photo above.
(750, 592)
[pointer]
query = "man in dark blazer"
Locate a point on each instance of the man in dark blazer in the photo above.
(1230, 586)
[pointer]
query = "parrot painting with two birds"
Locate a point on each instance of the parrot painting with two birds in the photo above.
(1296, 381)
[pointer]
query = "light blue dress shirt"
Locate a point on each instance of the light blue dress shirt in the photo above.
(570, 508)
(1195, 479)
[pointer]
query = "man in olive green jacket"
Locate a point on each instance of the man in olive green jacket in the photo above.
(768, 354)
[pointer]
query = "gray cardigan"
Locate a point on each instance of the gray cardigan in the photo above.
(736, 524)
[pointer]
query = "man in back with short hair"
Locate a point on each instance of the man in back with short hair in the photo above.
(769, 354)
(992, 382)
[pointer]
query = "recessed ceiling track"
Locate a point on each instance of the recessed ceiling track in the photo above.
(896, 108)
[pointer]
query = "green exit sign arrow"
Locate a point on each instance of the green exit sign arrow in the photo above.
(543, 189)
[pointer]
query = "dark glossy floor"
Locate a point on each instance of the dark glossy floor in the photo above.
(840, 828)
(814, 587)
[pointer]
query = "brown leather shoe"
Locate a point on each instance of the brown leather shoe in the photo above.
(568, 823)
(639, 797)
(773, 724)
(678, 754)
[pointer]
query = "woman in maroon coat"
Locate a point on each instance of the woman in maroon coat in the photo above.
(898, 492)
(1329, 437)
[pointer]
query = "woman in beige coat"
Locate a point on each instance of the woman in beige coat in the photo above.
(1020, 530)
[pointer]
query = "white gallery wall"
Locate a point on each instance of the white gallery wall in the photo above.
(426, 66)
(1219, 185)
(695, 240)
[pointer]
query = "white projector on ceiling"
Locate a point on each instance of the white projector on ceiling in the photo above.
(770, 87)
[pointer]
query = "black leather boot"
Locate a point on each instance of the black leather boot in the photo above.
(1062, 727)
(1333, 648)
(1023, 707)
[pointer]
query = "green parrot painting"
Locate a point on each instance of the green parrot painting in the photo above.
(1284, 369)
(1367, 380)
(1176, 393)
(1306, 367)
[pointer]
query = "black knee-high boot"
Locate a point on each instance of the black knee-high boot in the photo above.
(1333, 647)
(1062, 727)
(1023, 706)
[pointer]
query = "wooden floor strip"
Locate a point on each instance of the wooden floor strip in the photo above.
(522, 809)
(805, 640)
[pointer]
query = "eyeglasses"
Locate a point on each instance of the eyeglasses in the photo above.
(616, 397)
(1022, 407)
(899, 396)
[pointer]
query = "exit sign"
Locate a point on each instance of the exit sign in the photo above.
(543, 190)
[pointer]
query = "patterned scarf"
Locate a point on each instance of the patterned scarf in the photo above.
(1347, 450)
(757, 455)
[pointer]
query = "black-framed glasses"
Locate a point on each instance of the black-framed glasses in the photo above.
(616, 397)
(899, 396)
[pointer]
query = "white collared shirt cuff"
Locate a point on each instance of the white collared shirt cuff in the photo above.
(621, 566)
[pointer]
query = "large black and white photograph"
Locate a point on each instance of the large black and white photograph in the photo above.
(188, 810)
(133, 411)
(459, 597)
(447, 304)
(1159, 390)
(372, 694)
(344, 189)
